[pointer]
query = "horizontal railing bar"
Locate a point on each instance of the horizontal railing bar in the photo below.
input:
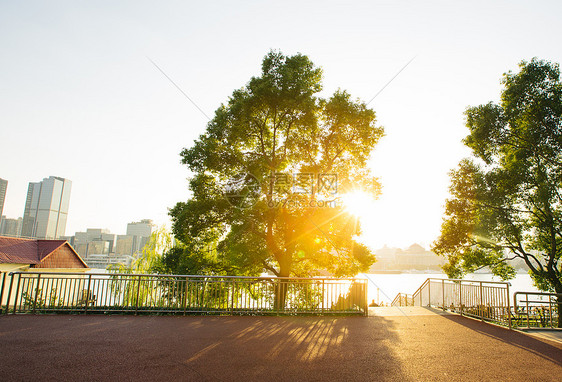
(185, 276)
(538, 294)
(470, 281)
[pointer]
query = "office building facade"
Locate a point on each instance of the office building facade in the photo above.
(140, 232)
(10, 227)
(3, 187)
(46, 208)
(142, 228)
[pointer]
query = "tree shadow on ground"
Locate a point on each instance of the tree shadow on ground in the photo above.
(309, 348)
(541, 348)
(199, 348)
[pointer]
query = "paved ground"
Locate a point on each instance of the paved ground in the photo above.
(552, 335)
(389, 346)
(549, 334)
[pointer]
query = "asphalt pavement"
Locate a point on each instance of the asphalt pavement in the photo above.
(412, 344)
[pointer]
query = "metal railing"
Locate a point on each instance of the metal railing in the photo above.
(2, 282)
(486, 300)
(536, 309)
(403, 299)
(38, 292)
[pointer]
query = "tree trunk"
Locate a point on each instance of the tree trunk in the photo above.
(282, 285)
(281, 288)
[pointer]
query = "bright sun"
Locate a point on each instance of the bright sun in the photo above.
(358, 203)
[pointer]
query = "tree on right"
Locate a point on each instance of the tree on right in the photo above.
(506, 200)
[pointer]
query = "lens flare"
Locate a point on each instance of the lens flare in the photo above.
(358, 203)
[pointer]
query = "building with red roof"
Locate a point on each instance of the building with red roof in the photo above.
(34, 254)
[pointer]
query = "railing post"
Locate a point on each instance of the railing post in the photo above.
(527, 305)
(185, 296)
(443, 293)
(323, 294)
(231, 296)
(482, 302)
(508, 306)
(36, 292)
(17, 292)
(138, 294)
(550, 311)
(429, 292)
(515, 304)
(460, 296)
(87, 294)
(10, 292)
(366, 298)
(2, 290)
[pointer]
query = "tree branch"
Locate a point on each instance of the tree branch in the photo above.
(270, 268)
(497, 262)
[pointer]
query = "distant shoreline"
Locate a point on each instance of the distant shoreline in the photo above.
(414, 271)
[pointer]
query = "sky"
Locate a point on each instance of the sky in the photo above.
(80, 98)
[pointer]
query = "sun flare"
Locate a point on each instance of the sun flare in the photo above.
(358, 203)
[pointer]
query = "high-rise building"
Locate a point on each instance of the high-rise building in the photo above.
(3, 187)
(142, 228)
(124, 245)
(140, 231)
(46, 208)
(10, 227)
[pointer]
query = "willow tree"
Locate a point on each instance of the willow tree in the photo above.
(268, 173)
(507, 200)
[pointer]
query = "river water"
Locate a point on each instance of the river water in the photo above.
(383, 287)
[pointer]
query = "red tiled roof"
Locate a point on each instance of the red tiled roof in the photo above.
(18, 251)
(46, 247)
(28, 251)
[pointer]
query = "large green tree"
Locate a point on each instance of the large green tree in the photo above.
(506, 201)
(267, 175)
